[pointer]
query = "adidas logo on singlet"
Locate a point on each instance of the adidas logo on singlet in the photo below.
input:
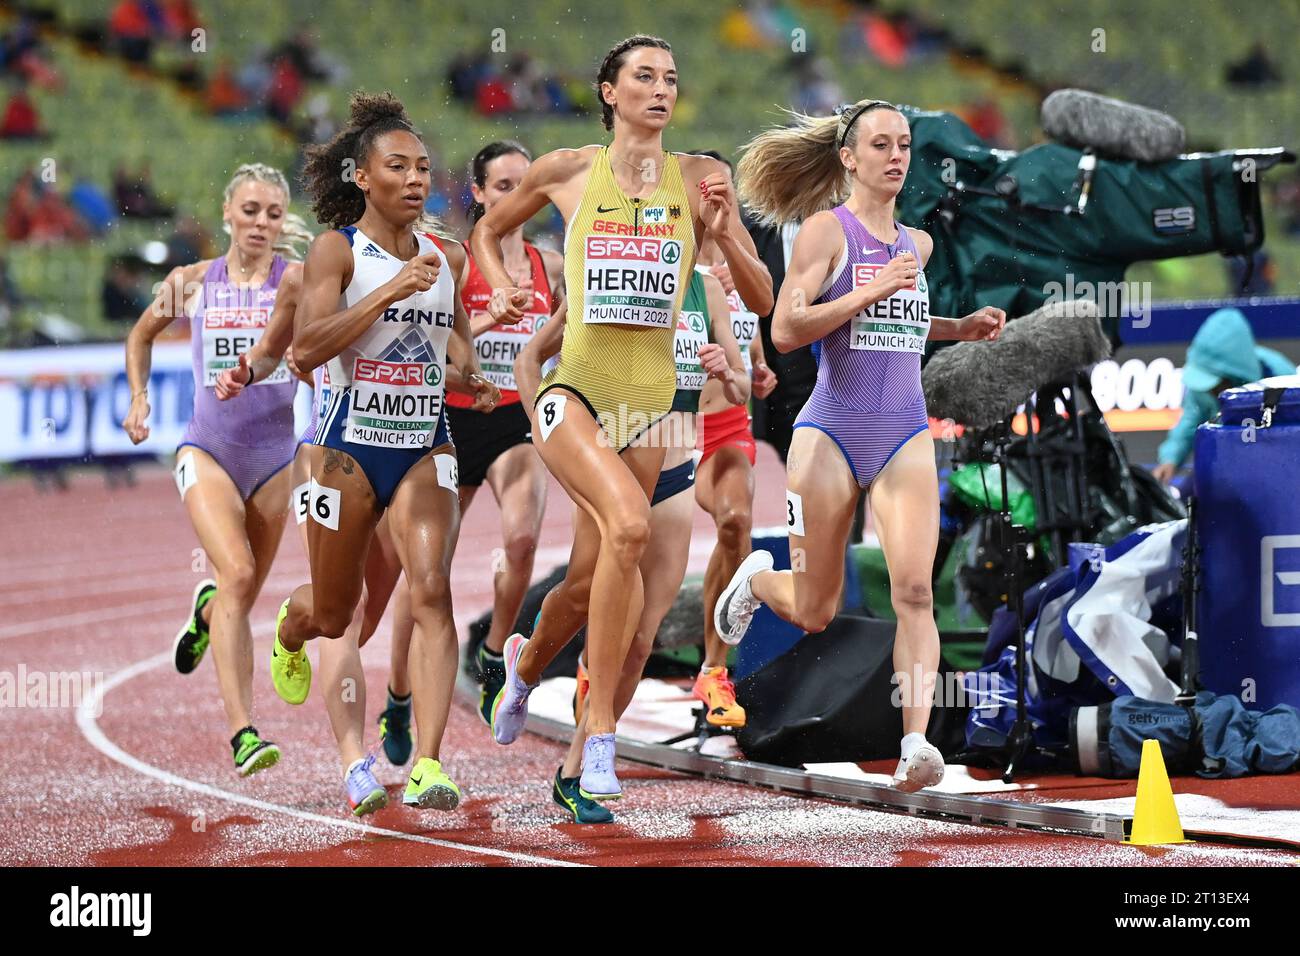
(373, 251)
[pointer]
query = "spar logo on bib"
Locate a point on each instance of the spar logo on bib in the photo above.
(394, 404)
(630, 280)
(692, 334)
(396, 373)
(228, 333)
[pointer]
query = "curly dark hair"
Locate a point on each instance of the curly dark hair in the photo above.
(614, 61)
(335, 197)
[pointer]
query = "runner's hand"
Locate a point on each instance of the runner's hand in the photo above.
(486, 395)
(417, 275)
(764, 381)
(713, 359)
(234, 380)
(134, 424)
(507, 303)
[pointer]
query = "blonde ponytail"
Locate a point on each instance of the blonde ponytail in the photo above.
(786, 174)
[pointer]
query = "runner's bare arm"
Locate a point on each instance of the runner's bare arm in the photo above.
(529, 361)
(265, 356)
(735, 383)
(817, 246)
(168, 305)
(750, 275)
(323, 330)
(523, 202)
(461, 356)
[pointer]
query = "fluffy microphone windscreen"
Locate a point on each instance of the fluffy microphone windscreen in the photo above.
(1112, 127)
(978, 384)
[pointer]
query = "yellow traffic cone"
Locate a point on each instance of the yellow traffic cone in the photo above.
(1155, 817)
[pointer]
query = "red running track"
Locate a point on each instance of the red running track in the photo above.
(96, 581)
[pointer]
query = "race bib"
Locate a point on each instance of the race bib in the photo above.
(550, 413)
(229, 332)
(394, 404)
(630, 280)
(448, 472)
(500, 345)
(744, 326)
(186, 473)
(325, 505)
(300, 501)
(692, 333)
(899, 323)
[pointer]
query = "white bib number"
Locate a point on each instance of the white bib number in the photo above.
(186, 473)
(228, 333)
(899, 323)
(300, 500)
(793, 513)
(550, 413)
(630, 280)
(325, 505)
(692, 335)
(394, 404)
(448, 472)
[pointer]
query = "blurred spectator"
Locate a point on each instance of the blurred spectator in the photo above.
(493, 96)
(131, 30)
(1256, 69)
(465, 73)
(1254, 275)
(188, 243)
(20, 119)
(312, 63)
(285, 91)
(817, 93)
(988, 121)
(91, 203)
(22, 55)
(37, 213)
(224, 96)
(1286, 199)
(123, 295)
(10, 301)
(135, 196)
(181, 19)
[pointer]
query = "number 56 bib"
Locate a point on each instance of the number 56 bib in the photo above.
(394, 404)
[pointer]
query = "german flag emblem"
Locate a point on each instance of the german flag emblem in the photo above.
(674, 212)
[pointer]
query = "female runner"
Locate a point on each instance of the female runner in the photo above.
(231, 464)
(633, 227)
(856, 285)
(708, 360)
(380, 306)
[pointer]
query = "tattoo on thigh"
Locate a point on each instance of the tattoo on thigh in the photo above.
(335, 460)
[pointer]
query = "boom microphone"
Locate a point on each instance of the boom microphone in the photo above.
(978, 384)
(1113, 128)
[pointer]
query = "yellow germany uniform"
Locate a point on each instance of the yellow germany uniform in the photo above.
(627, 265)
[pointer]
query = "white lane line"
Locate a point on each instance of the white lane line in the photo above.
(88, 724)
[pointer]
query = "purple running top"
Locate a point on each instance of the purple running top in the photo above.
(230, 319)
(873, 361)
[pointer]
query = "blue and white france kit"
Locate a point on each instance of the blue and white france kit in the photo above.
(385, 400)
